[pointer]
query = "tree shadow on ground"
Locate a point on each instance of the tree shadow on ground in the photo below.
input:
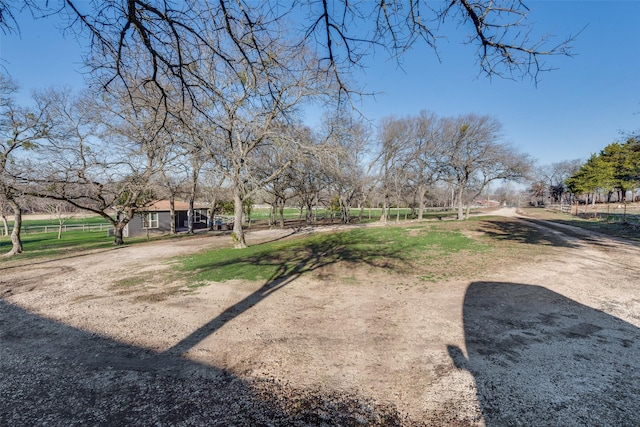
(540, 358)
(290, 264)
(58, 375)
(599, 232)
(523, 232)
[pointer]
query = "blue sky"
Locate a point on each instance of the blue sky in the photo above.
(574, 111)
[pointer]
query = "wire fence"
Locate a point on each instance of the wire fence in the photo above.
(34, 229)
(610, 212)
(323, 213)
(318, 214)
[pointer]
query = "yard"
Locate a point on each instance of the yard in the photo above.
(494, 321)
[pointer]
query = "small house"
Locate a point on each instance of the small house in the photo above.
(156, 219)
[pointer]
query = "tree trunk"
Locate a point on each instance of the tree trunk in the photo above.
(460, 206)
(272, 214)
(5, 224)
(281, 211)
(118, 230)
(172, 213)
(238, 233)
(212, 214)
(345, 211)
(16, 242)
(383, 215)
(421, 192)
(192, 197)
(309, 213)
(190, 215)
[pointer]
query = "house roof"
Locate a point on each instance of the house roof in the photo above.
(163, 205)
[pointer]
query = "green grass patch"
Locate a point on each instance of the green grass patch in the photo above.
(196, 285)
(432, 277)
(264, 213)
(51, 225)
(392, 249)
(129, 282)
(95, 219)
(48, 245)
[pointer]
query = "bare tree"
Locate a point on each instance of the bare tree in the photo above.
(246, 117)
(196, 159)
(8, 21)
(5, 210)
(473, 156)
(506, 194)
(173, 38)
(499, 30)
(344, 157)
(308, 181)
(173, 176)
(278, 190)
(502, 163)
(310, 176)
(395, 151)
(422, 164)
(59, 210)
(167, 46)
(555, 175)
(101, 156)
(21, 129)
(212, 182)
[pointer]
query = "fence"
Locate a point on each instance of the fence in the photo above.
(34, 229)
(611, 212)
(564, 208)
(319, 213)
(323, 213)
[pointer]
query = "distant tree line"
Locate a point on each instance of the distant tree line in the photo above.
(612, 175)
(614, 172)
(548, 183)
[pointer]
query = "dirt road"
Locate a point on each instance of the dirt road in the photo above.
(551, 341)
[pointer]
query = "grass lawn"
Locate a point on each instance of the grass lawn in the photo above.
(53, 223)
(93, 219)
(426, 252)
(46, 245)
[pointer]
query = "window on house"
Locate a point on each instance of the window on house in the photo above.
(150, 220)
(199, 217)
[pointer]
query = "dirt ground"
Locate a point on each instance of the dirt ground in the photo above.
(553, 340)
